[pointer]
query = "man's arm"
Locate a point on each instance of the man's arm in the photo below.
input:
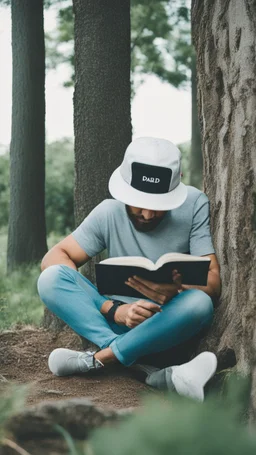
(67, 252)
(213, 287)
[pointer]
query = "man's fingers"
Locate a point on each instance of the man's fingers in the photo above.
(150, 306)
(156, 287)
(149, 284)
(144, 313)
(177, 280)
(164, 289)
(134, 320)
(143, 289)
(176, 274)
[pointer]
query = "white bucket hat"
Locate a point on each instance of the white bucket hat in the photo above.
(149, 176)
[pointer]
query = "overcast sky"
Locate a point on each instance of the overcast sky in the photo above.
(157, 110)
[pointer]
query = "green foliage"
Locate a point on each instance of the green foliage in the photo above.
(59, 203)
(59, 187)
(11, 402)
(182, 427)
(160, 41)
(70, 443)
(19, 300)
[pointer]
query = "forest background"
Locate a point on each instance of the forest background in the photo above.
(224, 36)
(161, 60)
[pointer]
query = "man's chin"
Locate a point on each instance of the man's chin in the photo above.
(144, 227)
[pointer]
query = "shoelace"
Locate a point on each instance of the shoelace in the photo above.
(95, 362)
(82, 359)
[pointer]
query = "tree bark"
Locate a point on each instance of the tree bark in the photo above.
(224, 35)
(27, 229)
(102, 120)
(196, 157)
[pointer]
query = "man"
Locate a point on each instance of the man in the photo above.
(152, 213)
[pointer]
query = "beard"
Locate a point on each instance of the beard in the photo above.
(141, 224)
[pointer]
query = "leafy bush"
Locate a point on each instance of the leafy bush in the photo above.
(59, 204)
(11, 401)
(19, 300)
(59, 186)
(175, 425)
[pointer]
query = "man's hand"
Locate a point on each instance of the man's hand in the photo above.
(133, 314)
(160, 293)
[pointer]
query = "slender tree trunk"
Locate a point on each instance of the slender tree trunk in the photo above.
(27, 231)
(102, 119)
(196, 157)
(225, 38)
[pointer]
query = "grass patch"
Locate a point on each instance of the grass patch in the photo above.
(19, 301)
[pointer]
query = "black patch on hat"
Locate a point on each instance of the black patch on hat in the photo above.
(151, 179)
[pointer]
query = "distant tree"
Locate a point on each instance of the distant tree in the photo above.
(160, 45)
(225, 38)
(102, 118)
(27, 229)
(4, 189)
(160, 41)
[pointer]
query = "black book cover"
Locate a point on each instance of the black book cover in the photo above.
(111, 278)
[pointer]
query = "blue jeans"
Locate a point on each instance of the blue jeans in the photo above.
(76, 301)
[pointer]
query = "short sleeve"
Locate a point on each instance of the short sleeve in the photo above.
(90, 233)
(200, 235)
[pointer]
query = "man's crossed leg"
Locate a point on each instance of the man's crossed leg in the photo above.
(75, 300)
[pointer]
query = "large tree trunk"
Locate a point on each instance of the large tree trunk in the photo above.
(27, 230)
(196, 157)
(225, 38)
(102, 119)
(101, 106)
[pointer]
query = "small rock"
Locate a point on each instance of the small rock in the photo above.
(54, 392)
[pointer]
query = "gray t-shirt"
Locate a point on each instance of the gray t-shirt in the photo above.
(183, 230)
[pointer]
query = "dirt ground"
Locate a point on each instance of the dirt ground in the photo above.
(23, 359)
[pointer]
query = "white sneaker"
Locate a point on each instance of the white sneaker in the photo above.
(65, 362)
(188, 379)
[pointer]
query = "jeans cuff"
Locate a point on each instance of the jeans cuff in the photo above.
(118, 354)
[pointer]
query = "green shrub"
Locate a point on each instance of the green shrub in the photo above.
(59, 186)
(175, 425)
(59, 207)
(19, 300)
(11, 401)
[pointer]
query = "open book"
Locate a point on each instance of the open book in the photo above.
(112, 273)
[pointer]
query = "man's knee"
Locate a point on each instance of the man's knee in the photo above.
(200, 306)
(48, 281)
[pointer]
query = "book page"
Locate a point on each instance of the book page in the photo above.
(173, 257)
(137, 261)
